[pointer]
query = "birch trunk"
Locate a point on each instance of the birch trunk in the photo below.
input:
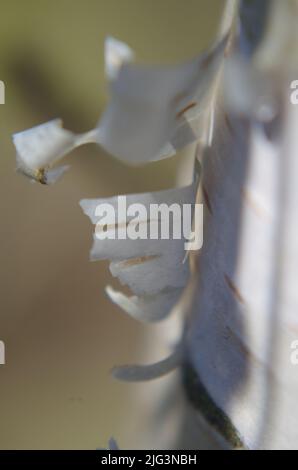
(238, 373)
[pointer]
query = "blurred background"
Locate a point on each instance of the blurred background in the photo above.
(62, 335)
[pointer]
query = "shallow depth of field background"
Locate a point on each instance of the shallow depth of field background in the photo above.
(62, 334)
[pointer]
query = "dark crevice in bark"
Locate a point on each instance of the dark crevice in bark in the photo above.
(203, 403)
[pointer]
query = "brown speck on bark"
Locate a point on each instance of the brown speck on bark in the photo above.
(135, 261)
(184, 110)
(234, 289)
(115, 227)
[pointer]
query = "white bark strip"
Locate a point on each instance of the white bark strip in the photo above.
(140, 373)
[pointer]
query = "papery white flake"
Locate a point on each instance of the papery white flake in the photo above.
(153, 112)
(40, 147)
(157, 110)
(149, 308)
(153, 269)
(116, 54)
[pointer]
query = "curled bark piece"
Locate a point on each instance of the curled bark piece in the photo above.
(138, 373)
